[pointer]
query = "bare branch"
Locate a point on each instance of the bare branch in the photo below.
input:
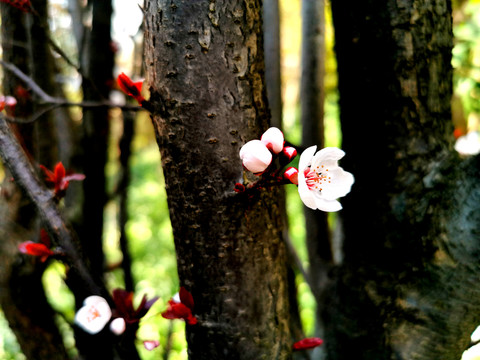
(54, 102)
(25, 177)
(28, 81)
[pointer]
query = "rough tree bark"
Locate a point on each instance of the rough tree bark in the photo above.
(204, 65)
(408, 287)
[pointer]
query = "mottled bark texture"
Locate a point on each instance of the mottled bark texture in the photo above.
(204, 65)
(408, 287)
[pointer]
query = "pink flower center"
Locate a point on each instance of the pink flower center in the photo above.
(317, 177)
(93, 313)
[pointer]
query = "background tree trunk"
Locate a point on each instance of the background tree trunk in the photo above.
(22, 297)
(312, 97)
(406, 288)
(96, 86)
(204, 64)
(272, 47)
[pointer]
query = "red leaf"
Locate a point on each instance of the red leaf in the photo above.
(133, 89)
(45, 238)
(35, 249)
(307, 343)
(23, 5)
(186, 298)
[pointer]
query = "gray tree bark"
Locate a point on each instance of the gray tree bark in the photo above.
(204, 66)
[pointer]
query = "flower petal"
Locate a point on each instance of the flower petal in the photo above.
(306, 195)
(327, 205)
(306, 158)
(340, 184)
(328, 157)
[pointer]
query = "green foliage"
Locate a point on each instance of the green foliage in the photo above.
(466, 56)
(9, 348)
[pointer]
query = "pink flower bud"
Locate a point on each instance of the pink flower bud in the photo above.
(289, 152)
(151, 344)
(255, 156)
(117, 326)
(291, 174)
(273, 140)
(8, 103)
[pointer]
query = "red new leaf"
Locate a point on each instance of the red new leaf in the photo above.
(307, 343)
(133, 89)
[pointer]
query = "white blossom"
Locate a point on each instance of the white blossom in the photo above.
(320, 180)
(94, 314)
(468, 144)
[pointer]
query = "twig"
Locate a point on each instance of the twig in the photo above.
(60, 232)
(28, 81)
(53, 102)
(296, 260)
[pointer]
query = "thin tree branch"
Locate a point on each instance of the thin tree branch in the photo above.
(292, 253)
(54, 102)
(25, 177)
(28, 81)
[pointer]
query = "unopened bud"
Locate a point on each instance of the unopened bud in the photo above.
(292, 175)
(273, 139)
(255, 156)
(289, 152)
(117, 326)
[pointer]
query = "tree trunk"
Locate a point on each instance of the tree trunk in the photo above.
(312, 97)
(407, 288)
(204, 65)
(97, 85)
(22, 297)
(272, 47)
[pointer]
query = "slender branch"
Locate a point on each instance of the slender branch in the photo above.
(54, 102)
(125, 153)
(25, 177)
(28, 81)
(292, 253)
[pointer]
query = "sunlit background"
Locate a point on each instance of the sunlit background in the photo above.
(149, 230)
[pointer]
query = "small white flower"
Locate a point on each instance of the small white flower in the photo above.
(468, 144)
(255, 156)
(117, 326)
(273, 139)
(94, 314)
(320, 180)
(151, 344)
